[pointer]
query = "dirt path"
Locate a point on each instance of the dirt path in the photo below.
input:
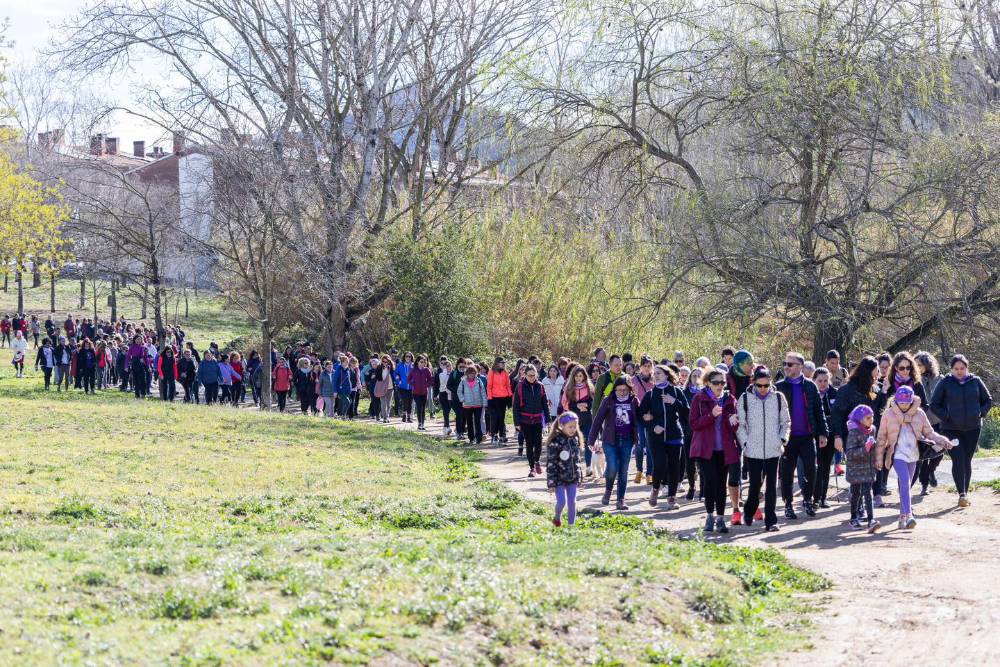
(929, 597)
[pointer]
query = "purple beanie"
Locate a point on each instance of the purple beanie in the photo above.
(859, 413)
(904, 395)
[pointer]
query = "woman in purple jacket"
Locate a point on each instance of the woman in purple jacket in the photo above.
(617, 423)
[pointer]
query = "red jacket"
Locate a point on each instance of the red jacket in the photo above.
(703, 427)
(282, 378)
(159, 367)
(498, 384)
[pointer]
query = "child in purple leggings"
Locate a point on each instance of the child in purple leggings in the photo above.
(563, 465)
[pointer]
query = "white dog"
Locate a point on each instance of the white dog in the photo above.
(599, 464)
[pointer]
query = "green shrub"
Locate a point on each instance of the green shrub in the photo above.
(184, 605)
(75, 508)
(16, 540)
(990, 438)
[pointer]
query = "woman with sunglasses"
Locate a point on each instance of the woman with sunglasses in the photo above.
(764, 427)
(903, 372)
(713, 444)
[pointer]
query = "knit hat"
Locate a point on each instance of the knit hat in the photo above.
(739, 360)
(859, 413)
(904, 395)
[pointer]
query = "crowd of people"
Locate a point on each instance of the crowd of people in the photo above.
(712, 427)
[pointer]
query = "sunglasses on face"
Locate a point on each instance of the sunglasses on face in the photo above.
(717, 383)
(903, 368)
(763, 386)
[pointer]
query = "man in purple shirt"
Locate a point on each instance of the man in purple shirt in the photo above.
(809, 427)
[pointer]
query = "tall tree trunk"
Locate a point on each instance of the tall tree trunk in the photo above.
(52, 292)
(832, 335)
(157, 300)
(114, 300)
(5, 283)
(19, 277)
(145, 300)
(265, 361)
(186, 302)
(83, 292)
(93, 294)
(36, 275)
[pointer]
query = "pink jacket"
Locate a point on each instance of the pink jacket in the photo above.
(893, 420)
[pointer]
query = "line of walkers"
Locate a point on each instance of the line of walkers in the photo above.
(713, 426)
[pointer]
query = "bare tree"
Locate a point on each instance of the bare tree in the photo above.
(381, 108)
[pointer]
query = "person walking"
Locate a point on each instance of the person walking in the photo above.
(930, 376)
(714, 421)
(472, 394)
(665, 417)
(904, 426)
(562, 466)
(20, 348)
(326, 388)
(579, 398)
(421, 382)
(187, 373)
(763, 431)
(167, 374)
(826, 453)
(46, 359)
(530, 415)
(403, 387)
(384, 388)
(616, 421)
(498, 394)
(961, 400)
(808, 429)
(281, 382)
(860, 453)
(210, 377)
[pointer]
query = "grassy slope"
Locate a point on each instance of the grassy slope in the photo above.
(138, 532)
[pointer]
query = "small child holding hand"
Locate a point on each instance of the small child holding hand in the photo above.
(860, 453)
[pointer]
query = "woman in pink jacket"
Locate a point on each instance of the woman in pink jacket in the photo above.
(904, 425)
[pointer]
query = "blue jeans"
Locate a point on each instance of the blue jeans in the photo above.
(618, 456)
(643, 448)
(587, 454)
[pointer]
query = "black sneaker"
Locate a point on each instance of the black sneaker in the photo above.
(790, 513)
(823, 504)
(856, 524)
(690, 494)
(923, 489)
(720, 525)
(933, 480)
(710, 525)
(773, 528)
(810, 510)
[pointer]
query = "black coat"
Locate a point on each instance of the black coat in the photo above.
(187, 372)
(530, 403)
(961, 407)
(674, 418)
(814, 405)
(848, 398)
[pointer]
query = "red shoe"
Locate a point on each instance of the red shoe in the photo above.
(838, 470)
(737, 517)
(557, 523)
(758, 516)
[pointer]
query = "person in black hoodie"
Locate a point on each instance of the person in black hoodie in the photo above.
(531, 409)
(453, 380)
(809, 427)
(86, 366)
(167, 373)
(664, 413)
(187, 373)
(961, 401)
(825, 454)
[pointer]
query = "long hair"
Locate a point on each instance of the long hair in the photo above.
(929, 362)
(570, 387)
(914, 368)
(861, 376)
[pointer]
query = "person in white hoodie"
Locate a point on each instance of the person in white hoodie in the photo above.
(553, 385)
(20, 347)
(764, 427)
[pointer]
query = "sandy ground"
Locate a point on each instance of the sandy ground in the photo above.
(928, 597)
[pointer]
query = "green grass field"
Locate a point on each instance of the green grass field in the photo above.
(209, 316)
(138, 532)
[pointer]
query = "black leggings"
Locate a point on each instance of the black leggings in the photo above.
(690, 466)
(282, 396)
(47, 371)
(460, 419)
(473, 418)
(406, 402)
(421, 402)
(667, 461)
(823, 465)
(927, 468)
(533, 443)
(211, 393)
(497, 417)
(713, 480)
(445, 408)
(88, 379)
(961, 457)
(763, 471)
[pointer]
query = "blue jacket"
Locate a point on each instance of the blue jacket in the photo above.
(402, 376)
(327, 383)
(342, 377)
(209, 372)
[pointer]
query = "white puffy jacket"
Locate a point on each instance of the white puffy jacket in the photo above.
(764, 424)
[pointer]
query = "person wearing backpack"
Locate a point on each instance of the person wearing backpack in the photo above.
(530, 414)
(808, 429)
(762, 432)
(664, 414)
